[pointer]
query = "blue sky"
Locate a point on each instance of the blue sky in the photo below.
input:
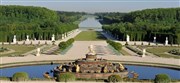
(96, 5)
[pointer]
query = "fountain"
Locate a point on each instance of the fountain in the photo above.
(92, 67)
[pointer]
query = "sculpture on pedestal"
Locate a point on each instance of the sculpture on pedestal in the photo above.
(127, 38)
(144, 52)
(154, 40)
(38, 52)
(166, 41)
(53, 38)
(27, 38)
(14, 39)
(77, 68)
(91, 50)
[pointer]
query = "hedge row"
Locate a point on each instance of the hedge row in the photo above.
(115, 45)
(64, 45)
(134, 50)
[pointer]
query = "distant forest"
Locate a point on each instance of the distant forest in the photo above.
(37, 22)
(144, 25)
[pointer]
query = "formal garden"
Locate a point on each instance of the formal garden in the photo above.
(16, 50)
(166, 52)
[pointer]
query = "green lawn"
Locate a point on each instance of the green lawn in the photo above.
(124, 52)
(162, 51)
(90, 36)
(19, 49)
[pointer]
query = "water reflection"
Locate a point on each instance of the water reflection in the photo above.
(90, 23)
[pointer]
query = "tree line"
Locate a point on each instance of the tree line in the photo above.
(144, 25)
(37, 22)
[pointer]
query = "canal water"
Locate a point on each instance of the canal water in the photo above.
(90, 23)
(144, 72)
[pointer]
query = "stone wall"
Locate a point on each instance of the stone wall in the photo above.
(99, 75)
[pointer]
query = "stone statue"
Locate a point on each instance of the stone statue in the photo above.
(154, 40)
(60, 67)
(27, 38)
(77, 68)
(121, 67)
(53, 38)
(91, 50)
(166, 41)
(38, 52)
(112, 71)
(144, 52)
(62, 36)
(105, 70)
(127, 38)
(14, 39)
(64, 69)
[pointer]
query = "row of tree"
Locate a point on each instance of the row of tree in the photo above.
(144, 25)
(37, 22)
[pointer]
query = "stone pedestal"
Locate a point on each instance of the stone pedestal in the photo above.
(90, 57)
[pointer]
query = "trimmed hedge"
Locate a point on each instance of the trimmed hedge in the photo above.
(162, 78)
(2, 49)
(64, 45)
(115, 45)
(114, 78)
(20, 76)
(65, 77)
(175, 52)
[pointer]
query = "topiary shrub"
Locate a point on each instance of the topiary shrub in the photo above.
(62, 45)
(65, 77)
(114, 78)
(70, 41)
(20, 76)
(162, 78)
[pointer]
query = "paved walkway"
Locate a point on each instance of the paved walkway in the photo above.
(80, 48)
